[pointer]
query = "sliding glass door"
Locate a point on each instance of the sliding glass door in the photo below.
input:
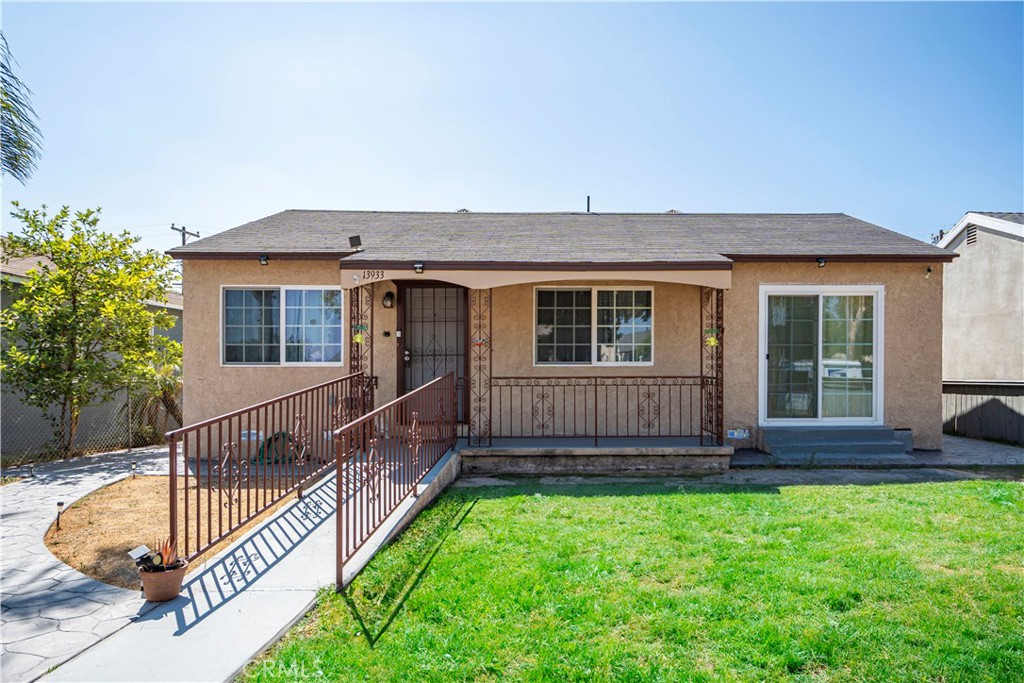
(821, 355)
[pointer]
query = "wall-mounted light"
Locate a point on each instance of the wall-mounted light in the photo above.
(264, 260)
(60, 509)
(418, 266)
(928, 273)
(821, 263)
(389, 300)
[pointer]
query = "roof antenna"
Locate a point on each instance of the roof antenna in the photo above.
(588, 203)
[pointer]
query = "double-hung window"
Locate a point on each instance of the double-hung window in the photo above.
(275, 326)
(594, 326)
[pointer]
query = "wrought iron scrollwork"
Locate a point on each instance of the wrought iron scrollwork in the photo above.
(481, 353)
(712, 337)
(360, 307)
(229, 472)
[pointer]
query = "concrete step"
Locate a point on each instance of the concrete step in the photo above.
(833, 460)
(839, 447)
(806, 441)
(823, 434)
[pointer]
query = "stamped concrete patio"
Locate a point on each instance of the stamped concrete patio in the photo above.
(50, 612)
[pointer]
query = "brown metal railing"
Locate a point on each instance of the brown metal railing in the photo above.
(383, 455)
(240, 464)
(598, 407)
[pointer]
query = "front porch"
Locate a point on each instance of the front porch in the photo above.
(608, 455)
(614, 406)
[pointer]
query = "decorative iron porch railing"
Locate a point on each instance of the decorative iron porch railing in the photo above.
(240, 464)
(382, 456)
(602, 407)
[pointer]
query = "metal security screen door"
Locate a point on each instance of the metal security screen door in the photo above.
(434, 334)
(822, 356)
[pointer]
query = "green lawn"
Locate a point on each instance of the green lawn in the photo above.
(911, 582)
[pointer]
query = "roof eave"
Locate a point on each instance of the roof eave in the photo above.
(843, 258)
(981, 221)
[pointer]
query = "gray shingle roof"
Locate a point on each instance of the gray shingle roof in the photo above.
(558, 237)
(1003, 215)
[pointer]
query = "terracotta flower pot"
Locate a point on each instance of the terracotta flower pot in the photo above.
(163, 586)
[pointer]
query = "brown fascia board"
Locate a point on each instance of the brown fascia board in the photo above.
(241, 255)
(541, 265)
(843, 258)
(575, 265)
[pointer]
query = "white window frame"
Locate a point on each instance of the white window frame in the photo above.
(593, 326)
(878, 400)
(282, 323)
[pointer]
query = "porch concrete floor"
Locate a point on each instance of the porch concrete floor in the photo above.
(622, 445)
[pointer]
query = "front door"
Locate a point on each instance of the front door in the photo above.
(434, 334)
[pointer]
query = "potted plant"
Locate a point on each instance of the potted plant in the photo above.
(161, 572)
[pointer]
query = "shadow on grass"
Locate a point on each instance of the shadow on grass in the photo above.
(378, 594)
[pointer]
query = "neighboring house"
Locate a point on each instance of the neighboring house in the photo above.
(983, 334)
(25, 430)
(702, 329)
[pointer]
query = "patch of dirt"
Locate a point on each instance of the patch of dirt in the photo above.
(98, 531)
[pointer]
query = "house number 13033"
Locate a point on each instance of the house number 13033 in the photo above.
(371, 275)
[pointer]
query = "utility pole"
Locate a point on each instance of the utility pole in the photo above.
(185, 234)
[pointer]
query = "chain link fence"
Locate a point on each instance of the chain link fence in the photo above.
(130, 419)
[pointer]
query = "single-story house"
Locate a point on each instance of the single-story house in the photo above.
(983, 327)
(703, 330)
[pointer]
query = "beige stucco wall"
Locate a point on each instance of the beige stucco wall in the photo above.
(983, 310)
(211, 389)
(913, 338)
(676, 332)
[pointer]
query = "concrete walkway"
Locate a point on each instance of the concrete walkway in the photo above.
(956, 452)
(48, 611)
(241, 601)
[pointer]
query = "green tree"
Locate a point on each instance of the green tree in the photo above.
(80, 328)
(20, 138)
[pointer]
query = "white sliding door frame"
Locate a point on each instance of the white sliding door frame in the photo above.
(878, 351)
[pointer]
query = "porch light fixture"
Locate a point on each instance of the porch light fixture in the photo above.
(928, 273)
(60, 509)
(821, 263)
(418, 267)
(264, 260)
(389, 300)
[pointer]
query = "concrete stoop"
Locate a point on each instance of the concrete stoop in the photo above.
(652, 460)
(835, 445)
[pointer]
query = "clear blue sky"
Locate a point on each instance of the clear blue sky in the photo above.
(906, 115)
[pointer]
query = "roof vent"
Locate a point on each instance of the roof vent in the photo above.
(673, 211)
(462, 211)
(972, 235)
